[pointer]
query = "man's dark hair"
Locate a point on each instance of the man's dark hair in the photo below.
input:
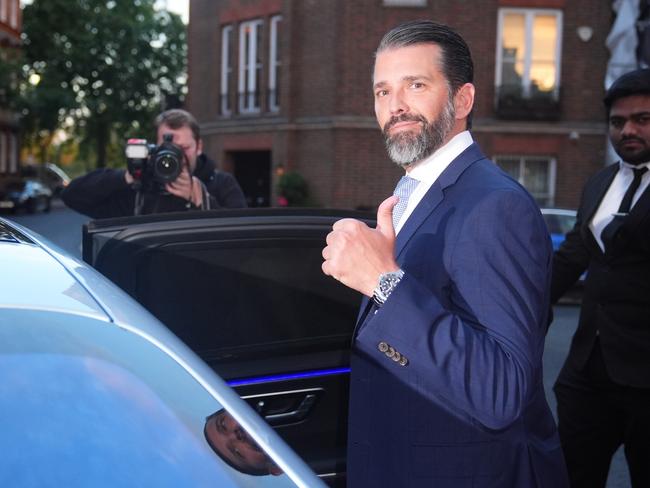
(456, 58)
(177, 118)
(635, 82)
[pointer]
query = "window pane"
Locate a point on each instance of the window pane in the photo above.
(543, 75)
(536, 176)
(258, 66)
(291, 303)
(510, 166)
(274, 63)
(513, 45)
(226, 69)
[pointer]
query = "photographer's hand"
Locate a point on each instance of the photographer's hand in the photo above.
(186, 186)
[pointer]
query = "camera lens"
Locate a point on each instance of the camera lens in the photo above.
(167, 167)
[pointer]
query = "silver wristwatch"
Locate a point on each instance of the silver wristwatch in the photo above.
(386, 285)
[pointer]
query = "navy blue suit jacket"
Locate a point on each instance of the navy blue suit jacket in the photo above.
(446, 385)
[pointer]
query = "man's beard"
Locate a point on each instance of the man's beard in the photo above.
(634, 157)
(407, 148)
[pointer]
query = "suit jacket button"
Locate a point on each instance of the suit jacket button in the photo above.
(403, 361)
(382, 346)
(391, 352)
(396, 357)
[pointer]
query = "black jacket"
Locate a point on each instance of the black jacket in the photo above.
(104, 193)
(616, 296)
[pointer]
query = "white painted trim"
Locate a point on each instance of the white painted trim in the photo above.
(274, 102)
(248, 66)
(226, 70)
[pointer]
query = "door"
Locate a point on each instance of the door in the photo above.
(253, 172)
(244, 289)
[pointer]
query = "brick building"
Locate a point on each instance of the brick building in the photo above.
(10, 28)
(285, 85)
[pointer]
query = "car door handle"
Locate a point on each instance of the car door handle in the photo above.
(286, 407)
(294, 415)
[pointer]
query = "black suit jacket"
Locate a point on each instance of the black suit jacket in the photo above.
(616, 297)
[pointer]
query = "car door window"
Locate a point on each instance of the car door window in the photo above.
(221, 297)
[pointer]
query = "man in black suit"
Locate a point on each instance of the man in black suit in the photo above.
(603, 390)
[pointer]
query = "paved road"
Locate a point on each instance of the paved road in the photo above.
(63, 227)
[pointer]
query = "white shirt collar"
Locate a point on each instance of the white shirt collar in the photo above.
(623, 164)
(429, 169)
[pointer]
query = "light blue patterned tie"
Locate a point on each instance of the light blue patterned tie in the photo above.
(403, 190)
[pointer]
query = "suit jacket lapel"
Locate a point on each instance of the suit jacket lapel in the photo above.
(428, 204)
(592, 199)
(435, 195)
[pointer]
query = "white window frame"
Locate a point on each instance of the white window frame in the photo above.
(274, 64)
(549, 197)
(248, 66)
(13, 13)
(226, 70)
(529, 16)
(405, 3)
(4, 7)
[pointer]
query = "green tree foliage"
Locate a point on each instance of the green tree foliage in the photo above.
(295, 189)
(106, 68)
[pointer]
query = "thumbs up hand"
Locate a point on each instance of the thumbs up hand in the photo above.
(356, 254)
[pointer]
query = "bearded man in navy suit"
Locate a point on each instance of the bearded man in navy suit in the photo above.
(446, 382)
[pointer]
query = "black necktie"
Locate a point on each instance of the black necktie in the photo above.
(611, 231)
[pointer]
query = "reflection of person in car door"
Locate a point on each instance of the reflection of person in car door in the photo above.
(233, 444)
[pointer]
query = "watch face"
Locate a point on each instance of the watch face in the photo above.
(387, 282)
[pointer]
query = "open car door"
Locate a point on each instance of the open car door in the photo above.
(244, 289)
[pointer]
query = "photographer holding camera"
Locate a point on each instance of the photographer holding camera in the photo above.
(173, 176)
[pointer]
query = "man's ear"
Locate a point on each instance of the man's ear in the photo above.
(464, 100)
(199, 147)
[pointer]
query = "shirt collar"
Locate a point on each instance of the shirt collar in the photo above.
(623, 164)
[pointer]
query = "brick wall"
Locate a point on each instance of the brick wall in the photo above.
(325, 128)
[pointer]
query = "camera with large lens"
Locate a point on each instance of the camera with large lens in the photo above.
(151, 166)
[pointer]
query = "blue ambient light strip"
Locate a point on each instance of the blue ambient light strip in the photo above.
(292, 376)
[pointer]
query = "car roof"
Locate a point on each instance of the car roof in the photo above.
(33, 279)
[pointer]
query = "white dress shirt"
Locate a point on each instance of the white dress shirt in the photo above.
(612, 199)
(428, 171)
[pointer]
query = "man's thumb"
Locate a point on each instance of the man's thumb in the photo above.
(385, 216)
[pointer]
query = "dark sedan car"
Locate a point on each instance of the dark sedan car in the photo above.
(244, 289)
(26, 194)
(94, 391)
